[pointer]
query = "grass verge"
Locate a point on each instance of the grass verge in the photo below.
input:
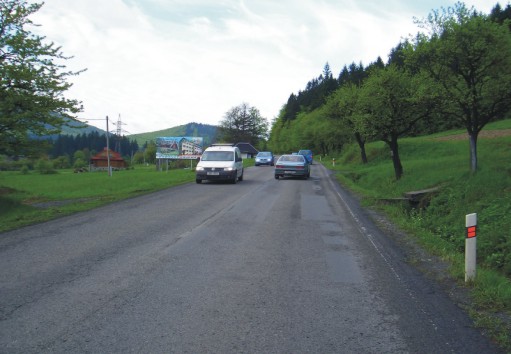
(442, 161)
(30, 198)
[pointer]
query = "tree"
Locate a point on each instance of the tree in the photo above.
(32, 80)
(468, 55)
(343, 106)
(243, 123)
(394, 101)
(150, 153)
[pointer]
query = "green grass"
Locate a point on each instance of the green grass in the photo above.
(442, 160)
(21, 195)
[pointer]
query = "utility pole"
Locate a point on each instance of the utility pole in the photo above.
(108, 149)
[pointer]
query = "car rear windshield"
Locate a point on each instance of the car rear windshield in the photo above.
(218, 156)
(292, 158)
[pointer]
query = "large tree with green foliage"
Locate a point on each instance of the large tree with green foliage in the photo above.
(393, 101)
(343, 108)
(469, 56)
(33, 80)
(243, 123)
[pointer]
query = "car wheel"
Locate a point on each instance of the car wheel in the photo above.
(198, 181)
(276, 177)
(241, 177)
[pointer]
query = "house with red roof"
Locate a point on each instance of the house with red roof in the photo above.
(100, 160)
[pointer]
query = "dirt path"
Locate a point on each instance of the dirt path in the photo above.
(485, 134)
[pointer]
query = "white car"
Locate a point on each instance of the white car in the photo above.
(220, 162)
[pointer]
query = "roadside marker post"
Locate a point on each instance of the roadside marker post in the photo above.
(333, 162)
(470, 247)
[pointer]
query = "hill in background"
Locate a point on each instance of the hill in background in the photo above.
(208, 132)
(75, 128)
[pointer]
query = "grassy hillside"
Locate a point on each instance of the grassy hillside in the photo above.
(208, 132)
(442, 160)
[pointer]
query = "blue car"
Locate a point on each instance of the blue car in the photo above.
(307, 154)
(264, 158)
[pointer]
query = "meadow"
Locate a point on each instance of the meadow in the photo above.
(28, 198)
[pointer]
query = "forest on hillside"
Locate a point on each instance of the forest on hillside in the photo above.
(454, 73)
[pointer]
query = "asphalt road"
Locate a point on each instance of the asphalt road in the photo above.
(263, 266)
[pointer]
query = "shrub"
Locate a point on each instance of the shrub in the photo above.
(79, 163)
(45, 167)
(24, 170)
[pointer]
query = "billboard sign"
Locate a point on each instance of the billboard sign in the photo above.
(179, 147)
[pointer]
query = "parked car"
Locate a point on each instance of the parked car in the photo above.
(307, 154)
(264, 158)
(292, 166)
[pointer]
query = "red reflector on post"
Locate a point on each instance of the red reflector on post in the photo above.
(471, 231)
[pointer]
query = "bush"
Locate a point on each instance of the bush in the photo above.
(45, 167)
(61, 162)
(79, 163)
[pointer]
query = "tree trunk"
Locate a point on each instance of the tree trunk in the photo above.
(362, 146)
(394, 151)
(472, 137)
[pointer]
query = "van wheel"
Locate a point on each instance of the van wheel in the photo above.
(198, 181)
(241, 177)
(235, 179)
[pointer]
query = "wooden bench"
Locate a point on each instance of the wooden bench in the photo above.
(420, 198)
(414, 198)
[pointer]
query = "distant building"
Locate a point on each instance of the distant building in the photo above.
(247, 150)
(100, 161)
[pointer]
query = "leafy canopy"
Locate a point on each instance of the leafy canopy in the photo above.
(243, 123)
(33, 80)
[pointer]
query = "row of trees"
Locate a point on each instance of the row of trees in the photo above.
(94, 142)
(455, 73)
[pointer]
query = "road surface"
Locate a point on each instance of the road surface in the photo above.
(262, 266)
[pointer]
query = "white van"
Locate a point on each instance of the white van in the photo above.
(220, 162)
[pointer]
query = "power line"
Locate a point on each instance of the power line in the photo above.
(119, 133)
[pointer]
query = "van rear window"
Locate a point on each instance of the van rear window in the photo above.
(218, 156)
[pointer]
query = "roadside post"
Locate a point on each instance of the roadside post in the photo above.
(470, 247)
(333, 162)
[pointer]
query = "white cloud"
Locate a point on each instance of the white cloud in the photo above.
(162, 63)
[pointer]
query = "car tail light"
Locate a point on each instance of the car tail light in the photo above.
(300, 167)
(279, 166)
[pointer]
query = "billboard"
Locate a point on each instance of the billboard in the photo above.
(179, 147)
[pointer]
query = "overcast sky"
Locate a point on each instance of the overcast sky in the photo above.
(163, 63)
